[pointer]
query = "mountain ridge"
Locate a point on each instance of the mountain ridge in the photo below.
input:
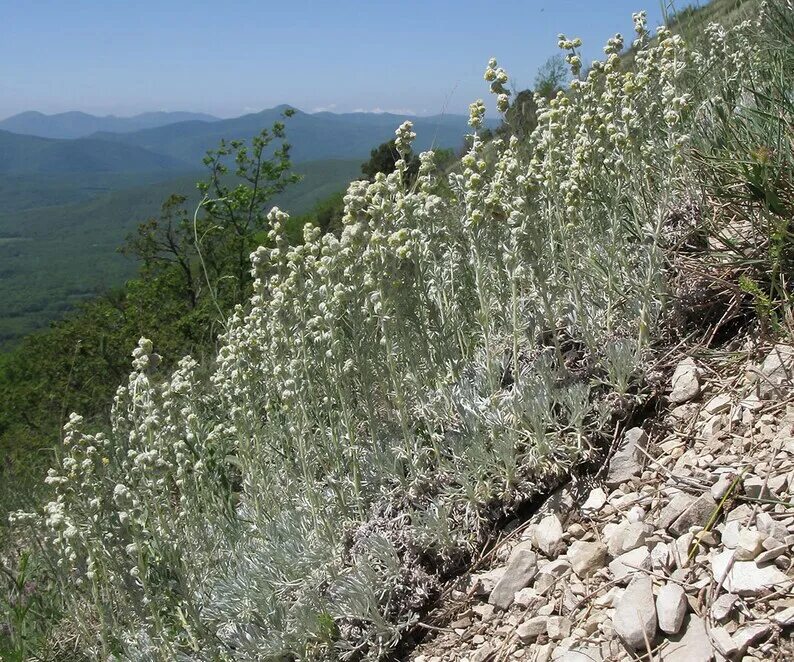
(313, 136)
(77, 124)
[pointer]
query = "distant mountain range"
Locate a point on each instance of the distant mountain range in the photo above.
(180, 146)
(312, 135)
(75, 124)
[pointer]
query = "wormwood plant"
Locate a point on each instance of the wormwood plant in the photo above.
(390, 392)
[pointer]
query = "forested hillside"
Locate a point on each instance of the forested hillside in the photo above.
(53, 257)
(23, 155)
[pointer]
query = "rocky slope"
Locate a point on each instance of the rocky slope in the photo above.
(679, 549)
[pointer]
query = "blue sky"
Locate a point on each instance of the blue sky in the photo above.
(236, 56)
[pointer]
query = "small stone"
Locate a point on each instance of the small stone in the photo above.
(749, 634)
(682, 414)
(723, 642)
(629, 458)
(586, 557)
(520, 571)
(625, 566)
(671, 607)
(697, 514)
(621, 500)
(721, 487)
(719, 404)
(625, 537)
(730, 534)
(558, 627)
(692, 645)
(636, 514)
(543, 653)
(485, 652)
(722, 606)
(784, 618)
(706, 538)
(530, 630)
(755, 487)
(685, 382)
(681, 546)
(548, 536)
(750, 404)
(591, 624)
(740, 514)
(745, 577)
(777, 483)
(751, 544)
(635, 614)
(674, 509)
(713, 426)
(660, 556)
(587, 654)
(776, 369)
(527, 597)
(543, 583)
(610, 598)
(595, 501)
(461, 623)
(769, 525)
(482, 584)
(556, 568)
(485, 612)
(669, 445)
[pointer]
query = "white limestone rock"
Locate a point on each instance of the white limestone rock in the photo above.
(692, 645)
(671, 607)
(595, 501)
(746, 577)
(685, 382)
(750, 545)
(625, 566)
(721, 608)
(697, 514)
(674, 509)
(628, 460)
(625, 537)
(635, 614)
(586, 557)
(548, 536)
(520, 571)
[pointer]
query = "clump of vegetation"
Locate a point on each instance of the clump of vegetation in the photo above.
(388, 394)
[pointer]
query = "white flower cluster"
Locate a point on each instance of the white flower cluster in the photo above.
(422, 357)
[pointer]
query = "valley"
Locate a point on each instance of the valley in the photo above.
(68, 198)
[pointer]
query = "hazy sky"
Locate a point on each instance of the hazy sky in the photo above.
(229, 57)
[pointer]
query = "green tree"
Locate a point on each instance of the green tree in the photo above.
(551, 76)
(211, 247)
(384, 158)
(521, 117)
